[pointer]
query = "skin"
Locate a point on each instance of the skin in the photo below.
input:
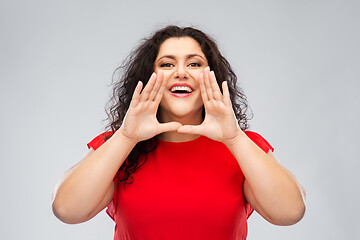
(271, 190)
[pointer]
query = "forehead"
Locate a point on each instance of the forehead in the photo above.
(180, 46)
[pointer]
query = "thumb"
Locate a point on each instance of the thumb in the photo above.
(191, 129)
(168, 127)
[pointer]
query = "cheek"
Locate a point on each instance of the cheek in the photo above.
(195, 74)
(167, 74)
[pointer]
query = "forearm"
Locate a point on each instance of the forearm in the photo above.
(84, 186)
(274, 191)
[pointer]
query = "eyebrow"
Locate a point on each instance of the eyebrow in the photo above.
(187, 56)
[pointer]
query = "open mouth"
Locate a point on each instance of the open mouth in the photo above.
(181, 90)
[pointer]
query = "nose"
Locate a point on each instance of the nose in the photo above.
(181, 73)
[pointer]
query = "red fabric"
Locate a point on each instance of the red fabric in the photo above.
(187, 190)
(98, 141)
(260, 141)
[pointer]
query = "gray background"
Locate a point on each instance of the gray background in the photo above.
(298, 62)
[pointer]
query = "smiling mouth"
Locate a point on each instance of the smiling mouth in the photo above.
(181, 91)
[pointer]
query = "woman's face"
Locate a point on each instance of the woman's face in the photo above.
(182, 61)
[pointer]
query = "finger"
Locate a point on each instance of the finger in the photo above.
(204, 95)
(148, 88)
(226, 93)
(191, 129)
(158, 84)
(160, 93)
(207, 83)
(215, 86)
(136, 95)
(168, 127)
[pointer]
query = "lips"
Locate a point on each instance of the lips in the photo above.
(181, 90)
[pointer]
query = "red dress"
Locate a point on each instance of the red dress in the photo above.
(186, 190)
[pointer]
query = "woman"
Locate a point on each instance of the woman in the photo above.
(179, 163)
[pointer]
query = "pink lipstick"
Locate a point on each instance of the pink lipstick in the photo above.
(181, 90)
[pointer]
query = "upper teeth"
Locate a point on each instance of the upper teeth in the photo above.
(181, 88)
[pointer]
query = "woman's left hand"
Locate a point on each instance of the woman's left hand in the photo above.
(220, 123)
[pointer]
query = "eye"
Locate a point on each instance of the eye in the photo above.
(194, 65)
(166, 65)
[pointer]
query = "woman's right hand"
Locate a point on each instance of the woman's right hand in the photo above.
(140, 122)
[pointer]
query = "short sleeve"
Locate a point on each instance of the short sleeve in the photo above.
(249, 210)
(98, 141)
(260, 141)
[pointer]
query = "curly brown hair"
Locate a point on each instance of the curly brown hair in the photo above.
(139, 65)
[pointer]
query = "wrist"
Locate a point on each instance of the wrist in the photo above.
(119, 134)
(237, 139)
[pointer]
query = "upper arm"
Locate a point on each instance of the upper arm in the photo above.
(250, 196)
(105, 201)
(108, 197)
